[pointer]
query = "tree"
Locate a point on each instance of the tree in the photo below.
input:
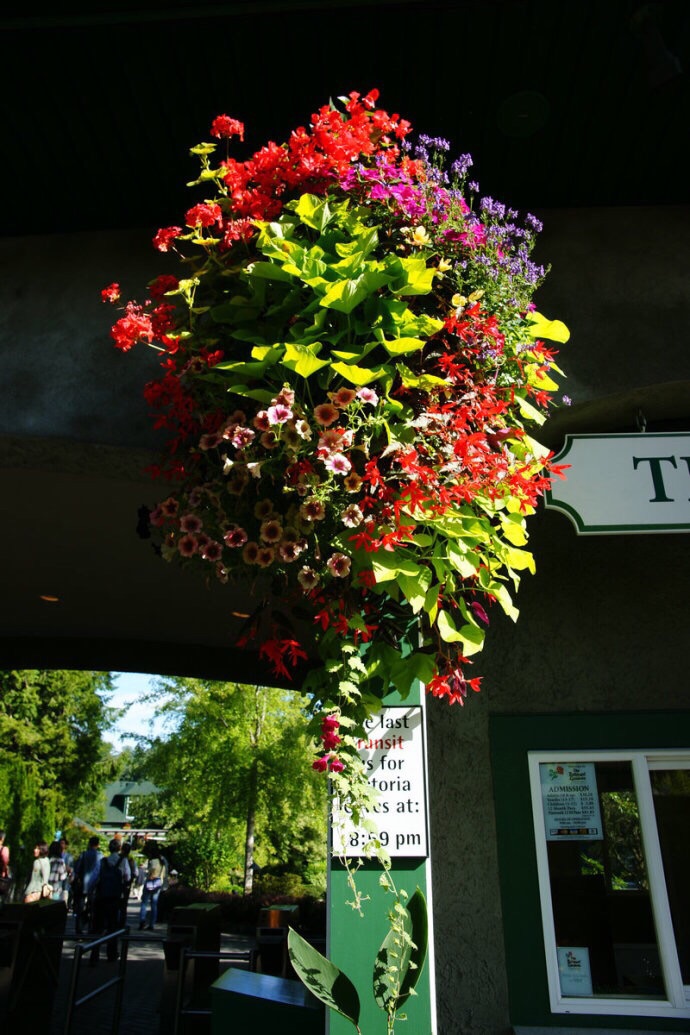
(53, 759)
(235, 779)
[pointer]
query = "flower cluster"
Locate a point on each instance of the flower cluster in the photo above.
(351, 361)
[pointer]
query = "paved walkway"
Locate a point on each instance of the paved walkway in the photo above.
(149, 987)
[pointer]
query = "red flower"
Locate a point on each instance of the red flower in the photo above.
(225, 127)
(159, 286)
(280, 653)
(203, 215)
(133, 327)
(111, 293)
(164, 238)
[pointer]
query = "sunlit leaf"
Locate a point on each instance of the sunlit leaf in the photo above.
(323, 979)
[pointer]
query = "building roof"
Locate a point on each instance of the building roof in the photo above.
(117, 795)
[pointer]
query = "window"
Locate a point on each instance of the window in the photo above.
(612, 829)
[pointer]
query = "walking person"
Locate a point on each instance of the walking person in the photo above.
(5, 872)
(69, 863)
(38, 882)
(155, 875)
(129, 873)
(107, 899)
(58, 877)
(85, 876)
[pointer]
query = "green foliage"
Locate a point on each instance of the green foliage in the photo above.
(232, 751)
(323, 979)
(53, 760)
(397, 967)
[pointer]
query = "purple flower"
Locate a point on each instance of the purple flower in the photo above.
(462, 165)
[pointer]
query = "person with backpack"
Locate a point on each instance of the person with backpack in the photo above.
(107, 899)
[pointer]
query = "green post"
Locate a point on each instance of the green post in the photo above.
(398, 765)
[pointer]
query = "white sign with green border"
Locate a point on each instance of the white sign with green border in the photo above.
(624, 483)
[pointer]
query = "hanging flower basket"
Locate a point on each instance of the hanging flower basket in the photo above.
(351, 366)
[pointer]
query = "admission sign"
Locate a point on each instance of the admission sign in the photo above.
(624, 483)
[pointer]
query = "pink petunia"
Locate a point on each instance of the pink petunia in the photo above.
(338, 464)
(279, 414)
(368, 395)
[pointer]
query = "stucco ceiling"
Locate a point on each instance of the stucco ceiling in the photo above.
(575, 103)
(579, 102)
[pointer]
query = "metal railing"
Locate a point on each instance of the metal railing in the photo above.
(73, 1003)
(247, 956)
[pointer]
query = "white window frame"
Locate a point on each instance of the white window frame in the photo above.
(678, 1002)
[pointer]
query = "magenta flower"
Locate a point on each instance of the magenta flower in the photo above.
(368, 395)
(338, 463)
(279, 414)
(479, 612)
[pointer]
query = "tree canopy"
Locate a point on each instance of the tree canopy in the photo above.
(235, 780)
(53, 759)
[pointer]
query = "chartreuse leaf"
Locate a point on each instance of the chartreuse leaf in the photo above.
(414, 588)
(553, 330)
(431, 601)
(518, 559)
(422, 381)
(465, 565)
(313, 211)
(344, 295)
(245, 369)
(513, 527)
(528, 411)
(269, 271)
(415, 277)
(400, 346)
(471, 637)
(499, 592)
(358, 375)
(323, 979)
(387, 566)
(303, 359)
(262, 395)
(421, 324)
(538, 377)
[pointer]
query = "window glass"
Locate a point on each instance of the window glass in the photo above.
(603, 922)
(671, 794)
